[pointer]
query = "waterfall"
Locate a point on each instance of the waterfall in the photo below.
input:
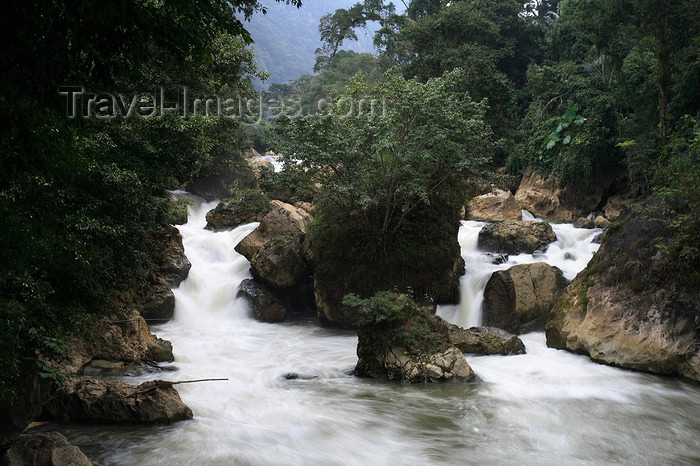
(571, 252)
(546, 405)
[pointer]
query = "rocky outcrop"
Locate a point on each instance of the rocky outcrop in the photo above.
(172, 262)
(485, 340)
(395, 364)
(630, 307)
(123, 340)
(178, 212)
(584, 222)
(280, 266)
(551, 198)
(225, 217)
(85, 400)
(328, 296)
(222, 183)
(601, 222)
(616, 205)
(515, 237)
(518, 299)
(281, 219)
(496, 206)
(155, 300)
(404, 343)
(266, 307)
(45, 449)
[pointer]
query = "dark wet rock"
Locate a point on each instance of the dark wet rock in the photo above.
(518, 299)
(44, 449)
(569, 257)
(295, 376)
(584, 222)
(266, 306)
(485, 340)
(497, 259)
(159, 305)
(516, 237)
(86, 400)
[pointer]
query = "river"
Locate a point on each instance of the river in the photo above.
(544, 407)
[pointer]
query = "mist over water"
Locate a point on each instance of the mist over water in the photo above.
(544, 407)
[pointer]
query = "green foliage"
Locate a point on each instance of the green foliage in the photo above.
(678, 185)
(79, 198)
(247, 200)
(384, 308)
(571, 125)
(388, 186)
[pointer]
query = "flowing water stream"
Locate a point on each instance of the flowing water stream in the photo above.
(544, 407)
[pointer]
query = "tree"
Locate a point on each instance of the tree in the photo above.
(388, 185)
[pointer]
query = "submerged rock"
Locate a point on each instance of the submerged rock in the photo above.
(518, 299)
(154, 402)
(496, 206)
(266, 307)
(629, 307)
(515, 237)
(44, 449)
(485, 340)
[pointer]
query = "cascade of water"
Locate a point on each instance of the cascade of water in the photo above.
(570, 252)
(546, 405)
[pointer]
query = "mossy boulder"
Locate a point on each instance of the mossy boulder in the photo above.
(247, 206)
(399, 341)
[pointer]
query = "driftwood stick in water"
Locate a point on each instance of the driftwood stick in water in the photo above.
(192, 381)
(166, 383)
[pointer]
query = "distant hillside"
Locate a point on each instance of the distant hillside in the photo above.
(287, 37)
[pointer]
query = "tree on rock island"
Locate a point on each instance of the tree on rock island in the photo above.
(388, 187)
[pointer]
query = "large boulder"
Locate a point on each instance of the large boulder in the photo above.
(485, 340)
(44, 449)
(86, 400)
(124, 340)
(280, 265)
(225, 217)
(616, 205)
(553, 199)
(328, 295)
(404, 343)
(266, 306)
(496, 206)
(515, 237)
(630, 307)
(158, 302)
(281, 219)
(518, 299)
(172, 261)
(155, 299)
(248, 205)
